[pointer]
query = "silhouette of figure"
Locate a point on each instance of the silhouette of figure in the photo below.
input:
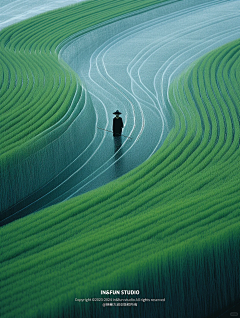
(117, 124)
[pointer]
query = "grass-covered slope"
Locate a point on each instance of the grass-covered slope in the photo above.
(37, 88)
(41, 97)
(169, 228)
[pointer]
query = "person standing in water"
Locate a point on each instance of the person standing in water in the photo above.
(117, 124)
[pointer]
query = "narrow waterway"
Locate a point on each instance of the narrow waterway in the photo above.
(128, 64)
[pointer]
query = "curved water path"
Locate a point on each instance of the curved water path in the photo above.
(129, 65)
(132, 70)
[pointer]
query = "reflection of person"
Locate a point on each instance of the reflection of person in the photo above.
(117, 124)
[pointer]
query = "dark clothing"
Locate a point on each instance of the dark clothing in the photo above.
(117, 126)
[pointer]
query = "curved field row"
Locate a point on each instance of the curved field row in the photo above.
(41, 97)
(132, 70)
(14, 11)
(135, 79)
(169, 228)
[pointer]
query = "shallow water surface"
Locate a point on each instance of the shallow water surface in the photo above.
(128, 64)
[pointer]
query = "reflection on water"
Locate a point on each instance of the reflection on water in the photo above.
(118, 154)
(117, 146)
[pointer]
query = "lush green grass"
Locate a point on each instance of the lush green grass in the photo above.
(41, 97)
(169, 228)
(36, 88)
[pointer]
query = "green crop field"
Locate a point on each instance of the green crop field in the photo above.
(169, 228)
(41, 96)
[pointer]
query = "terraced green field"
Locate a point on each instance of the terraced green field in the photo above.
(41, 96)
(37, 88)
(169, 228)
